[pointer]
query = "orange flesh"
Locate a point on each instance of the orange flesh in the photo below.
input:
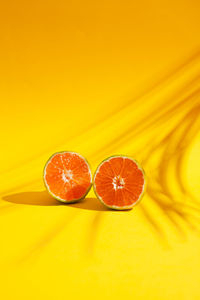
(67, 176)
(119, 182)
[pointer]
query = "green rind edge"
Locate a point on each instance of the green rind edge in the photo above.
(54, 196)
(141, 195)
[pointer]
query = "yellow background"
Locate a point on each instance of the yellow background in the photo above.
(100, 78)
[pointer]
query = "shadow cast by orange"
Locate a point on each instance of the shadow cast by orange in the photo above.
(32, 198)
(44, 199)
(90, 204)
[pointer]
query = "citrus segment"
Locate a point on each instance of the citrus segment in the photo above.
(119, 182)
(67, 176)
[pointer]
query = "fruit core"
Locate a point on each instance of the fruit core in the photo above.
(118, 182)
(67, 175)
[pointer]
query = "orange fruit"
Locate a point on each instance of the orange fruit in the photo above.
(119, 182)
(67, 176)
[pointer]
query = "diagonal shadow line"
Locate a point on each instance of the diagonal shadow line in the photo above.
(165, 140)
(188, 220)
(189, 137)
(193, 58)
(169, 208)
(178, 149)
(173, 213)
(136, 129)
(191, 117)
(165, 80)
(160, 234)
(170, 151)
(131, 134)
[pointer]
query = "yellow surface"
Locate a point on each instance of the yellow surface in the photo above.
(100, 78)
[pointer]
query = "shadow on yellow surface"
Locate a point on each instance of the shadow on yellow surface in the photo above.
(44, 199)
(90, 204)
(180, 209)
(32, 198)
(167, 133)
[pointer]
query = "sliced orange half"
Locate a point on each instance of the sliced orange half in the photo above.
(67, 176)
(119, 182)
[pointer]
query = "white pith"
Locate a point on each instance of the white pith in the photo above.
(115, 206)
(117, 185)
(67, 175)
